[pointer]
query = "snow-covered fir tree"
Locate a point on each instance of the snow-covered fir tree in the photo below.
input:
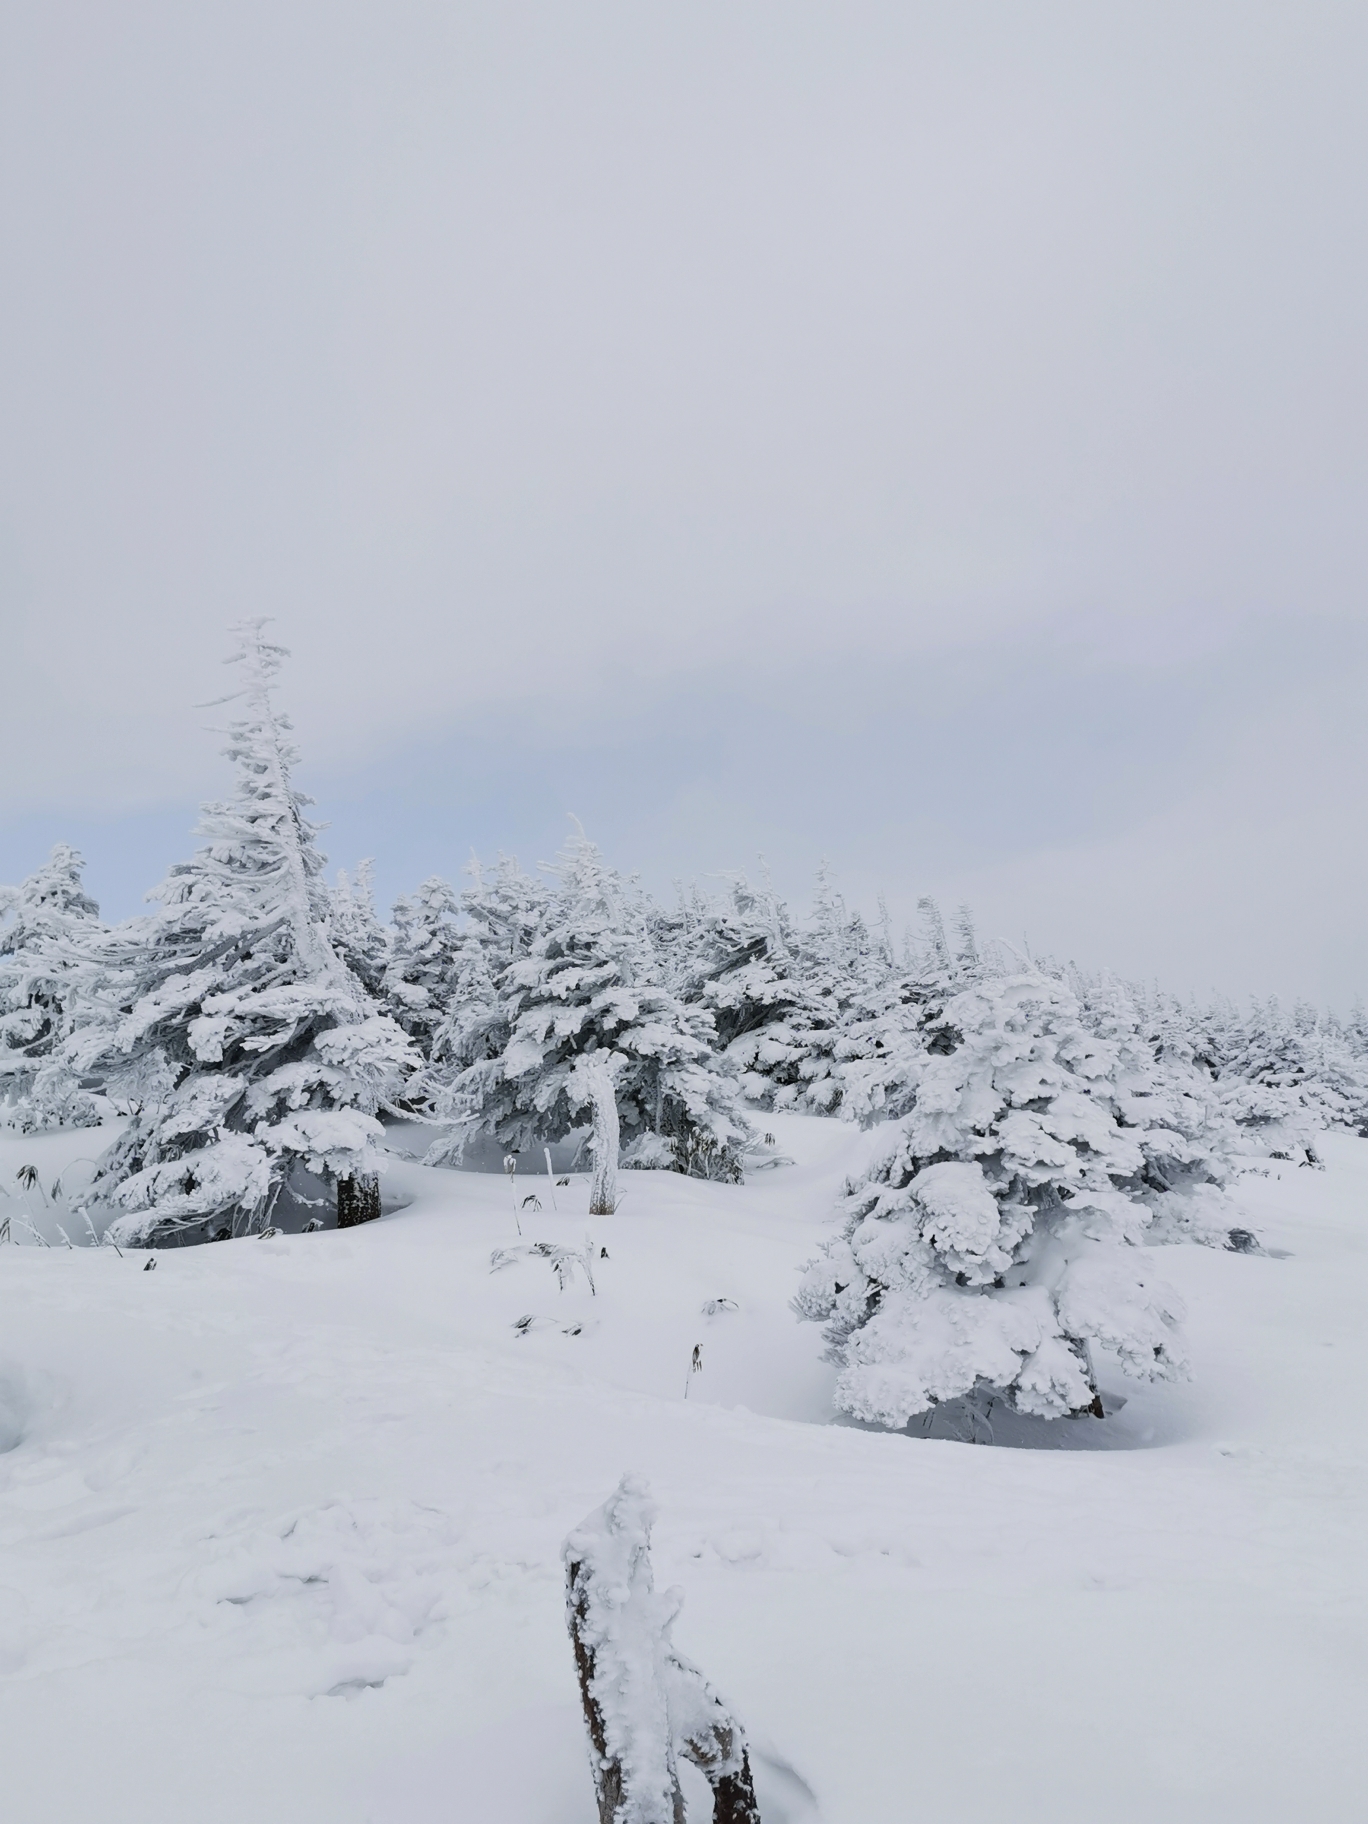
(503, 915)
(427, 951)
(357, 933)
(1266, 1080)
(1303, 1052)
(250, 1057)
(889, 1013)
(818, 1019)
(836, 958)
(1354, 1029)
(49, 930)
(736, 958)
(580, 979)
(994, 1244)
(1190, 1144)
(1336, 1078)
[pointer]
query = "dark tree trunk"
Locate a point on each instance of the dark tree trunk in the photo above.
(733, 1791)
(358, 1200)
(734, 1796)
(609, 1783)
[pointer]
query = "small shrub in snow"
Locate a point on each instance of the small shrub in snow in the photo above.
(701, 1156)
(563, 1260)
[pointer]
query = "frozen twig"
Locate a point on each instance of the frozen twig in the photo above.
(510, 1165)
(563, 1260)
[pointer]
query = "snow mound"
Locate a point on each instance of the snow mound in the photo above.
(339, 1596)
(961, 1212)
(15, 1407)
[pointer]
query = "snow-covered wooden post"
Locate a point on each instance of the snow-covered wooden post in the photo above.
(606, 1138)
(644, 1704)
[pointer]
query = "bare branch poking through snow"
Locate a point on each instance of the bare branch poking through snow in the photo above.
(29, 1180)
(644, 1705)
(531, 1322)
(511, 1167)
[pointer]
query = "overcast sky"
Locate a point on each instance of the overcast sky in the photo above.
(926, 436)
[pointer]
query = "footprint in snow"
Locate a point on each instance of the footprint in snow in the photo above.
(336, 1598)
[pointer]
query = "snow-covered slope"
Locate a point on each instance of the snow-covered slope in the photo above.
(281, 1522)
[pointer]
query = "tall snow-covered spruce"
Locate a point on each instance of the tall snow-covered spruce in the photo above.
(994, 1245)
(251, 1058)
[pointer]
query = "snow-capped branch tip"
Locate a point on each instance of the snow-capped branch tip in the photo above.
(645, 1706)
(259, 658)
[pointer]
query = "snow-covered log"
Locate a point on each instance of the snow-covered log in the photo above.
(645, 1706)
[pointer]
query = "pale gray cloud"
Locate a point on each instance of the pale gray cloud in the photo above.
(706, 377)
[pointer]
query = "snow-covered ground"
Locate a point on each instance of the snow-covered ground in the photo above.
(281, 1519)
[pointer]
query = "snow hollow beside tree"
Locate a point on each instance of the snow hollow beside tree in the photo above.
(282, 1531)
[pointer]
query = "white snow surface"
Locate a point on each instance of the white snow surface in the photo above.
(280, 1522)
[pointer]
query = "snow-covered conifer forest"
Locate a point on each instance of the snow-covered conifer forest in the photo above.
(350, 1257)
